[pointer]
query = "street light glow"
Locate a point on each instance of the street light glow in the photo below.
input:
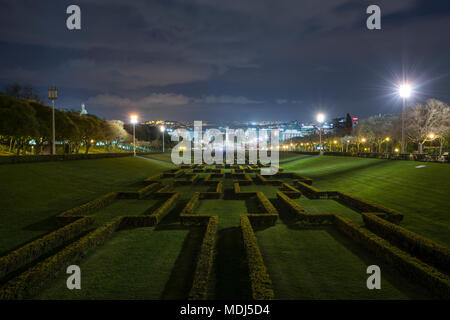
(133, 119)
(405, 90)
(320, 117)
(162, 128)
(431, 135)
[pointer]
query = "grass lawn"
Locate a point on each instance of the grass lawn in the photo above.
(125, 207)
(32, 194)
(166, 156)
(321, 263)
(422, 194)
(229, 277)
(144, 263)
(318, 206)
(268, 190)
(228, 211)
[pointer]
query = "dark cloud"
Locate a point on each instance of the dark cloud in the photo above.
(250, 59)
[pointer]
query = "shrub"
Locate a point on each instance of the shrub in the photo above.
(31, 281)
(194, 219)
(416, 270)
(35, 249)
(363, 205)
(87, 208)
(290, 191)
(62, 157)
(423, 248)
(261, 285)
(301, 214)
(192, 204)
(153, 178)
(266, 204)
(159, 213)
(202, 273)
(263, 219)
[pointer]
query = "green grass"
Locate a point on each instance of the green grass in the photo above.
(125, 207)
(318, 206)
(323, 264)
(421, 194)
(144, 263)
(32, 194)
(228, 211)
(166, 156)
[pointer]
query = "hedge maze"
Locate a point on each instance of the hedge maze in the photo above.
(210, 232)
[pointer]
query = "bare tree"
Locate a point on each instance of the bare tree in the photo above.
(425, 121)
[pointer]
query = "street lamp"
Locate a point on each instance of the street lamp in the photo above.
(53, 95)
(134, 120)
(387, 144)
(162, 128)
(320, 119)
(404, 91)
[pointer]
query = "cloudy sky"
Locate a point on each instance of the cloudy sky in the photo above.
(227, 60)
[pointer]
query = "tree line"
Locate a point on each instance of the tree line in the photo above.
(425, 124)
(25, 123)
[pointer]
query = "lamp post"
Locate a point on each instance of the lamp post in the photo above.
(320, 119)
(162, 128)
(404, 90)
(387, 144)
(134, 119)
(53, 95)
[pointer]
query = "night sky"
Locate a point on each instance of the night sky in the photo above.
(228, 60)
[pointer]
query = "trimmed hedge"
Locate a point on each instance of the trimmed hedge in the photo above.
(30, 282)
(159, 213)
(242, 195)
(199, 290)
(189, 208)
(261, 285)
(437, 282)
(165, 191)
(194, 219)
(290, 191)
(266, 204)
(140, 194)
(301, 214)
(314, 193)
(35, 249)
(416, 245)
(363, 205)
(263, 219)
(62, 157)
(153, 178)
(87, 208)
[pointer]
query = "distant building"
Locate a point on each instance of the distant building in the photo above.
(83, 110)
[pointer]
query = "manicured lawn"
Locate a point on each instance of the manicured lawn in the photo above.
(320, 263)
(125, 207)
(228, 211)
(32, 194)
(318, 206)
(144, 263)
(166, 156)
(421, 194)
(268, 190)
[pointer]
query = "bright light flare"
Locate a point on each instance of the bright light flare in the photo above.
(431, 135)
(405, 90)
(320, 117)
(162, 128)
(134, 119)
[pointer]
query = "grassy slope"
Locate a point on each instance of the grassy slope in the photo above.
(323, 264)
(33, 194)
(420, 193)
(145, 263)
